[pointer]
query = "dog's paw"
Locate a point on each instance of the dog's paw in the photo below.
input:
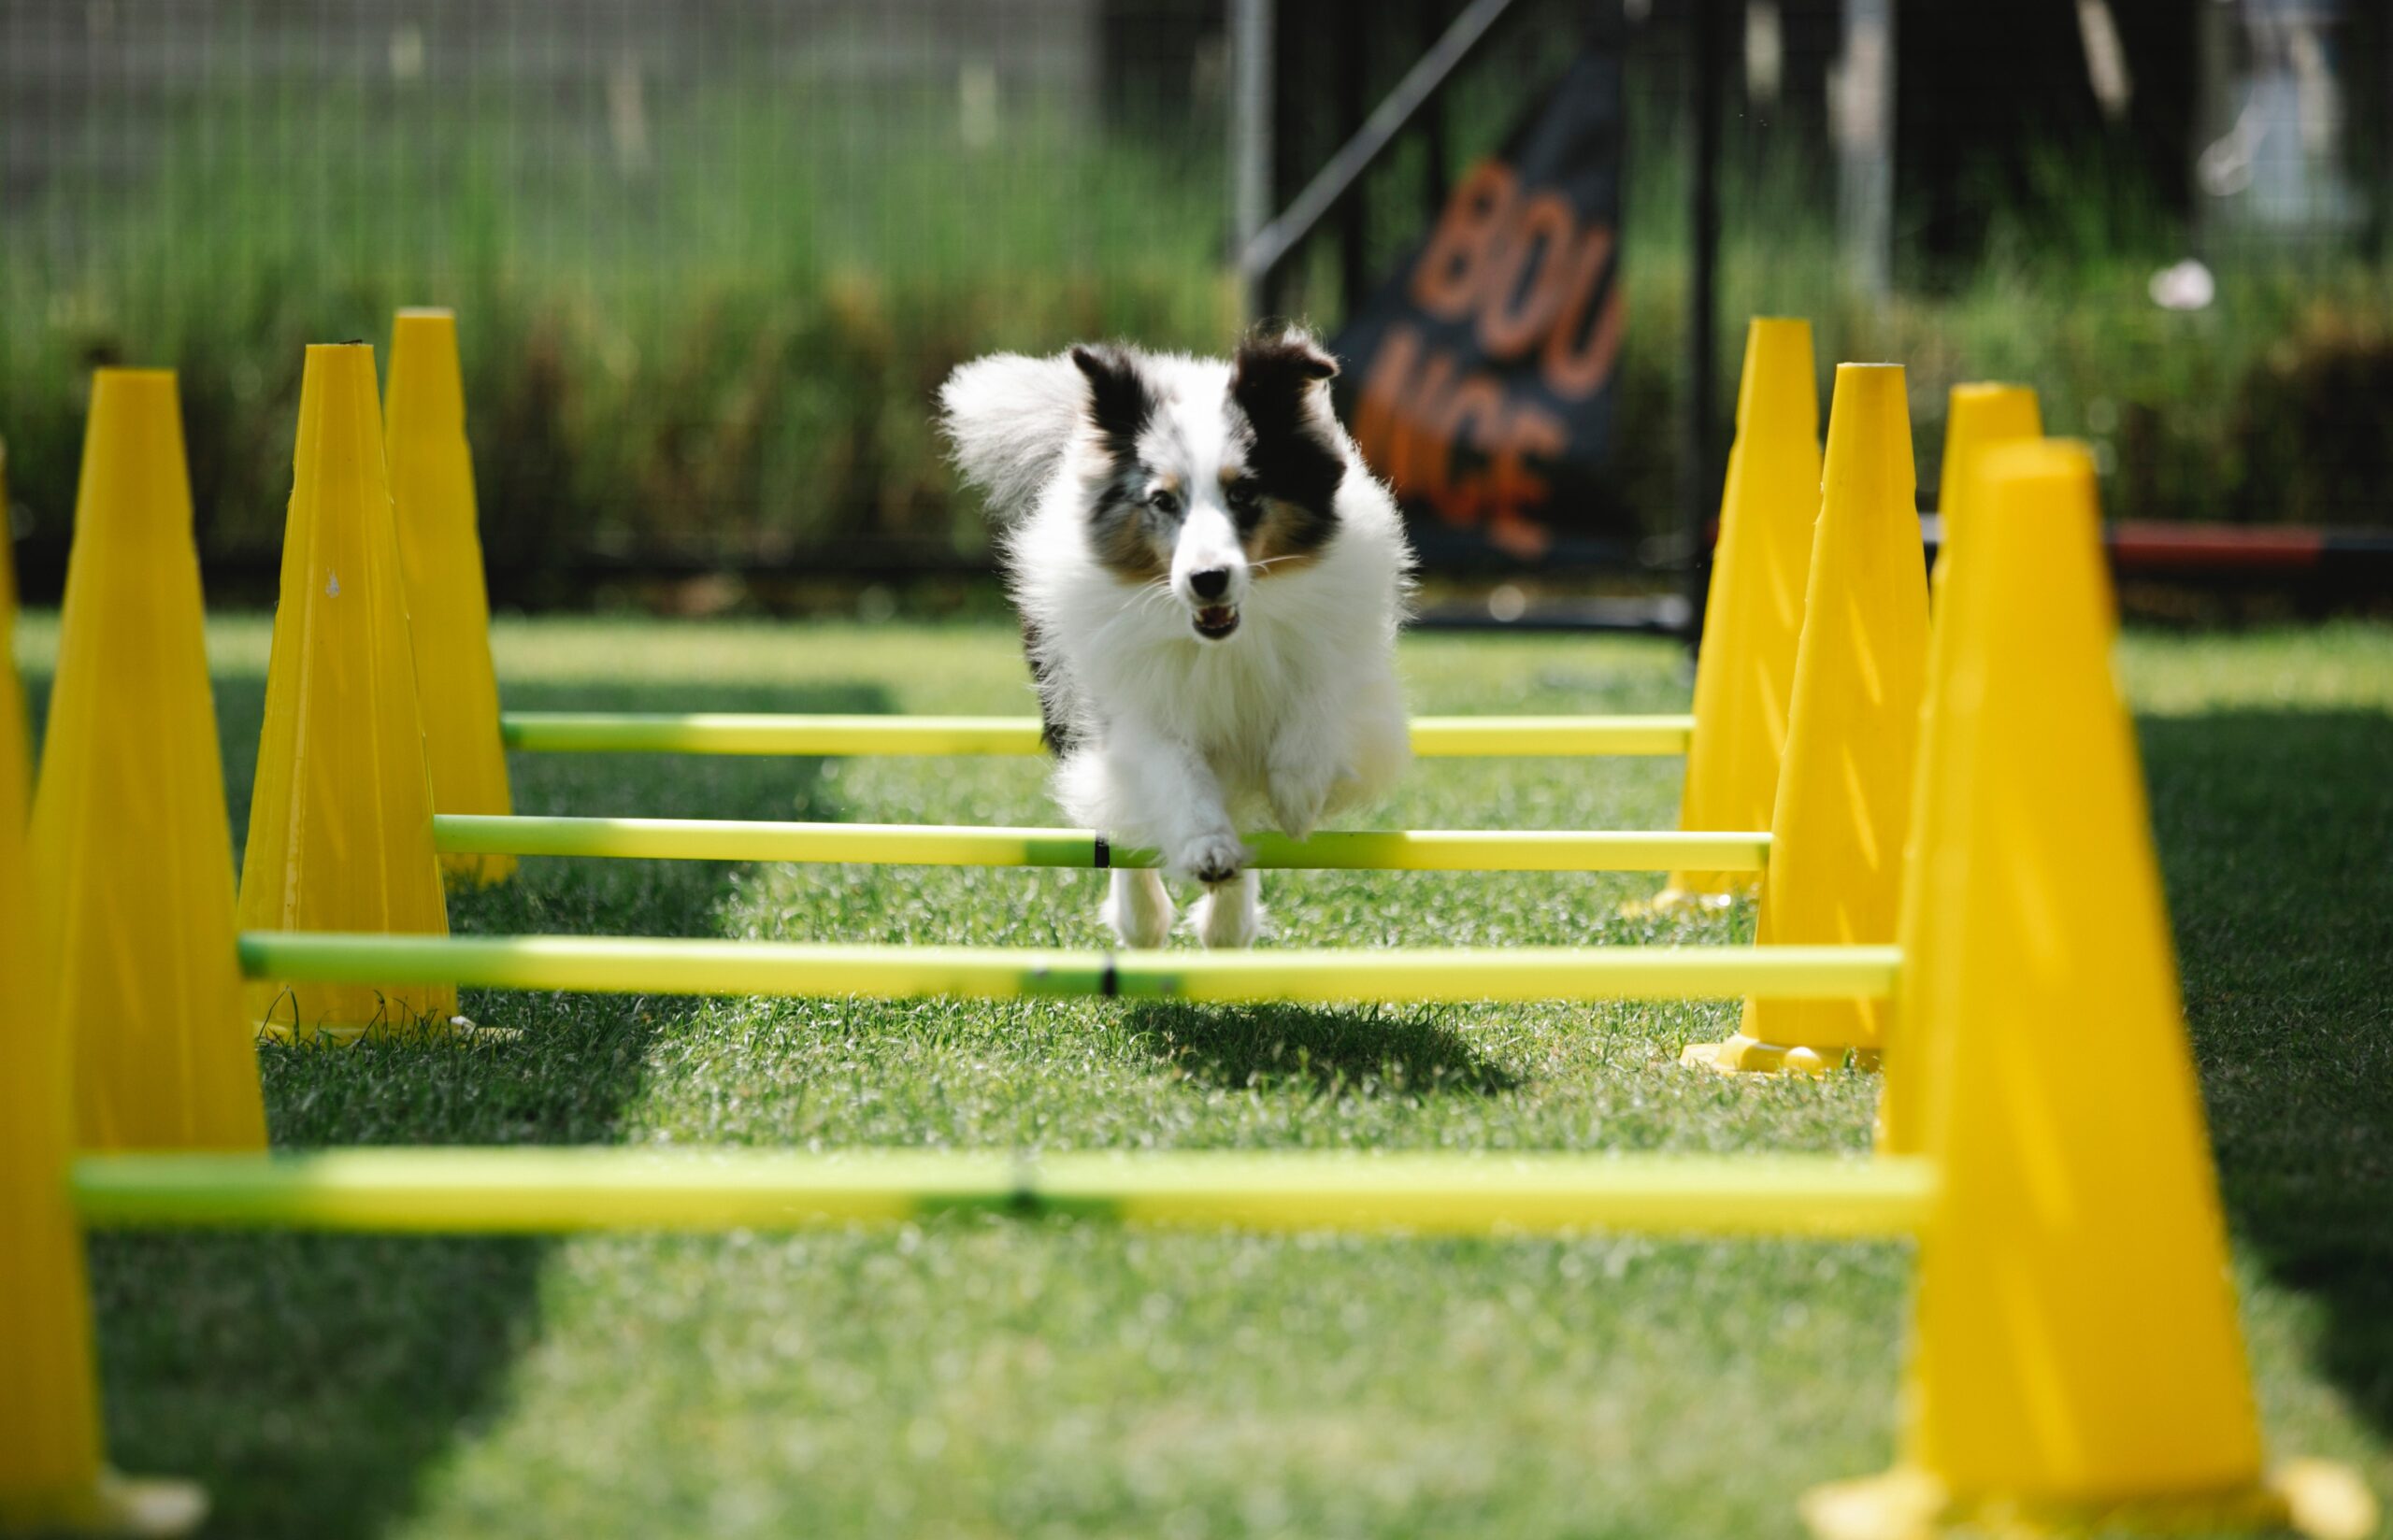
(1226, 916)
(1210, 858)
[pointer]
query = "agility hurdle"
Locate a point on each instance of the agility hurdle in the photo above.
(649, 965)
(1084, 849)
(1842, 831)
(515, 1190)
(2075, 1359)
(832, 736)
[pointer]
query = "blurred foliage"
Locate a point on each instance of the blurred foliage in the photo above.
(738, 368)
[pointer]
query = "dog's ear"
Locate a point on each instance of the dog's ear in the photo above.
(1278, 381)
(1119, 399)
(1275, 374)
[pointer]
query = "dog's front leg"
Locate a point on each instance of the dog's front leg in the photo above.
(1308, 755)
(1175, 796)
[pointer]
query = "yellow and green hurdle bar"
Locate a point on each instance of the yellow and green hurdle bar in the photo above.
(1084, 849)
(831, 735)
(568, 1190)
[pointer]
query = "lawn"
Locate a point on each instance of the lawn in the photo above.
(984, 1378)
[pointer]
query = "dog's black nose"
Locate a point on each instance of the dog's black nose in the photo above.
(1211, 583)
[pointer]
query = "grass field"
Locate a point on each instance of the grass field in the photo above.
(972, 1378)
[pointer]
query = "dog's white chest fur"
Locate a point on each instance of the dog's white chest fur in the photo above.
(1306, 688)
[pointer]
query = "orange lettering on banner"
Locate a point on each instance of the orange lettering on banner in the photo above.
(1462, 446)
(1528, 279)
(1453, 266)
(1575, 370)
(1542, 244)
(1514, 489)
(1479, 402)
(1417, 459)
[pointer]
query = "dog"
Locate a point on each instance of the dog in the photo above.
(1210, 583)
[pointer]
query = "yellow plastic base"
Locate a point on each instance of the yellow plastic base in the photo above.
(2312, 1497)
(139, 1508)
(1742, 1055)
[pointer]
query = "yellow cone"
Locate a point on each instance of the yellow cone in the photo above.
(1838, 821)
(2075, 1357)
(132, 849)
(340, 823)
(52, 1477)
(1744, 676)
(1978, 417)
(432, 488)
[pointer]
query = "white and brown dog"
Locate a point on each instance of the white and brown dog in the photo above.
(1211, 584)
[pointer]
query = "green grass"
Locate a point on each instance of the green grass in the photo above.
(975, 1378)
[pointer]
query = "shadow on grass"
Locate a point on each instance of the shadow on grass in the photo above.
(2276, 837)
(310, 1381)
(1369, 1051)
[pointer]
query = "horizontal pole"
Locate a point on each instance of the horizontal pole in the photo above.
(921, 844)
(519, 1189)
(728, 733)
(649, 965)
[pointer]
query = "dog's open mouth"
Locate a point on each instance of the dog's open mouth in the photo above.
(1215, 621)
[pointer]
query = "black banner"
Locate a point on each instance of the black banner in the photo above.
(1478, 380)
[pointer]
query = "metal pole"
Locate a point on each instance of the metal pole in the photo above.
(1251, 148)
(1862, 106)
(1334, 182)
(1353, 218)
(1699, 487)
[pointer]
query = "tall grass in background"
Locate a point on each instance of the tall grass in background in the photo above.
(725, 346)
(734, 361)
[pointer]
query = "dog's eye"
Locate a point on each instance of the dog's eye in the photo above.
(1164, 500)
(1245, 497)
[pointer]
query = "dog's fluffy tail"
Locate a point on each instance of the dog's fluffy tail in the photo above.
(1008, 418)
